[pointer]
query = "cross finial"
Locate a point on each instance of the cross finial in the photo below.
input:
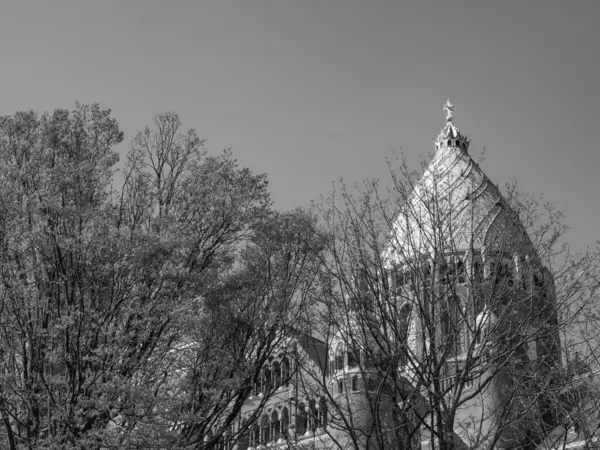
(449, 108)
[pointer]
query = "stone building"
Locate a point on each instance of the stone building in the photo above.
(463, 279)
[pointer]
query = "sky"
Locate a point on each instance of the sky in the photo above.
(311, 91)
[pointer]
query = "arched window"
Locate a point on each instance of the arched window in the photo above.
(285, 372)
(260, 383)
(323, 413)
(285, 422)
(354, 383)
(353, 357)
(255, 436)
(265, 429)
(267, 377)
(275, 427)
(276, 374)
(339, 357)
(402, 333)
(300, 419)
(312, 416)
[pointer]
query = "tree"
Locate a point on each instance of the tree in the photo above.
(124, 314)
(246, 321)
(55, 169)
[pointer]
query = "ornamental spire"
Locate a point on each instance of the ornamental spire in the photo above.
(449, 108)
(450, 136)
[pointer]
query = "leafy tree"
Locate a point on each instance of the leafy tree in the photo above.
(125, 316)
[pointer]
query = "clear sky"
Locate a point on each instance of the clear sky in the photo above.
(312, 90)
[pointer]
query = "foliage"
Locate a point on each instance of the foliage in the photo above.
(138, 318)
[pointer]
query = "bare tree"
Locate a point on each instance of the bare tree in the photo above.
(444, 302)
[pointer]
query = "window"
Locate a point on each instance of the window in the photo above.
(506, 270)
(477, 272)
(285, 422)
(268, 384)
(397, 279)
(354, 383)
(285, 372)
(402, 332)
(265, 429)
(340, 386)
(276, 372)
(260, 384)
(363, 280)
(323, 413)
(426, 271)
(275, 426)
(353, 357)
(313, 416)
(402, 278)
(300, 419)
(538, 278)
(371, 385)
(459, 271)
(339, 357)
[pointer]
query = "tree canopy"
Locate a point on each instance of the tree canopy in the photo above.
(138, 317)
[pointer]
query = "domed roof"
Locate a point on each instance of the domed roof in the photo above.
(454, 207)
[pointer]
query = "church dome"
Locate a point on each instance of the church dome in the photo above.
(455, 202)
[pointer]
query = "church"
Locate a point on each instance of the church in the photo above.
(446, 335)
